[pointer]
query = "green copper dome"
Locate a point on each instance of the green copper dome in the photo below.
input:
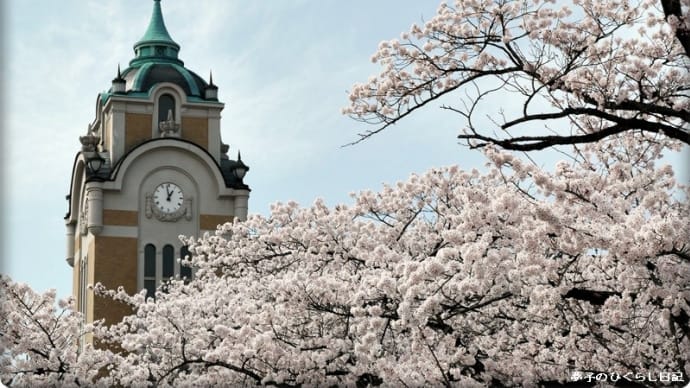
(156, 61)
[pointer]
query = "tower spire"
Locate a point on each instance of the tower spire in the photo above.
(156, 30)
(156, 44)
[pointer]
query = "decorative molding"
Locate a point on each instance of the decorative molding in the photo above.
(169, 128)
(148, 206)
(89, 142)
(94, 199)
(151, 210)
(120, 231)
(224, 148)
(83, 218)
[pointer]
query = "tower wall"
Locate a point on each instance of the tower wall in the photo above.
(115, 265)
(157, 130)
(137, 129)
(195, 129)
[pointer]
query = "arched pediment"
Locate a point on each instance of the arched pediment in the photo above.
(75, 190)
(161, 150)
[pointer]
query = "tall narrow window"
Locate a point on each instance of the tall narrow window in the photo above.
(185, 271)
(168, 262)
(160, 266)
(166, 103)
(83, 279)
(150, 270)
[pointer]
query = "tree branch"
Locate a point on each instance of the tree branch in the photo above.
(674, 8)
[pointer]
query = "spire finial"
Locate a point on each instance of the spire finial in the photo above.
(119, 83)
(156, 44)
(156, 29)
(211, 92)
(239, 157)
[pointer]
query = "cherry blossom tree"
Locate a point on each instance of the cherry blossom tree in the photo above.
(516, 277)
(575, 71)
(40, 341)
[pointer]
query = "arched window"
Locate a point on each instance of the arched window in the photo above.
(150, 270)
(185, 271)
(160, 267)
(168, 262)
(166, 103)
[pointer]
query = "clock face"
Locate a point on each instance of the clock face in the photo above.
(168, 197)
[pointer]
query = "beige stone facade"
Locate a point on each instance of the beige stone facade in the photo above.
(120, 217)
(195, 129)
(137, 129)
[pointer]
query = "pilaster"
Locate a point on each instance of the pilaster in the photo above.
(94, 198)
(70, 244)
(241, 204)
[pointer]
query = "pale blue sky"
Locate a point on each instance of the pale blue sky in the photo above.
(283, 69)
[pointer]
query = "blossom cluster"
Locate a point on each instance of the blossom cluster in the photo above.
(40, 339)
(592, 66)
(515, 276)
(518, 275)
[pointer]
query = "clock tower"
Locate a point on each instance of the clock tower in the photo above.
(152, 167)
